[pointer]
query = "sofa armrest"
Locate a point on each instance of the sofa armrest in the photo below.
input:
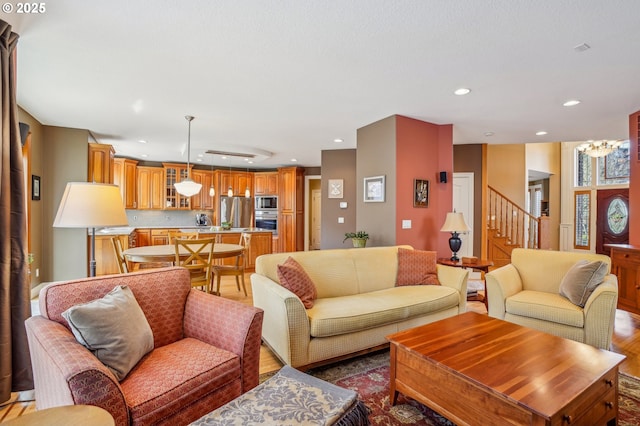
(286, 324)
(501, 283)
(600, 313)
(66, 373)
(455, 278)
(228, 325)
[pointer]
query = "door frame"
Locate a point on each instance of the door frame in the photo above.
(458, 178)
(307, 210)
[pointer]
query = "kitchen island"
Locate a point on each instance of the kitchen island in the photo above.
(261, 242)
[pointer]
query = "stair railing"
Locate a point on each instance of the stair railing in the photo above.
(511, 221)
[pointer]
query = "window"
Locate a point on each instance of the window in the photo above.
(582, 208)
(614, 169)
(583, 169)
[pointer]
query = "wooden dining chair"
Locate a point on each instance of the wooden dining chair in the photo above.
(236, 270)
(196, 255)
(172, 235)
(116, 243)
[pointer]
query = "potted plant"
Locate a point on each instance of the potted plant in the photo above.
(359, 239)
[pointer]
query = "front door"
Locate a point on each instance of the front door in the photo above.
(612, 221)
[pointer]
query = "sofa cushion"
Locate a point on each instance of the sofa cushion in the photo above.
(113, 328)
(172, 377)
(545, 306)
(293, 277)
(347, 314)
(580, 281)
(416, 267)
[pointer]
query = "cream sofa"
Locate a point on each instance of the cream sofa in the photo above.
(357, 305)
(526, 292)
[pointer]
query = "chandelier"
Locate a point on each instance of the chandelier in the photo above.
(599, 148)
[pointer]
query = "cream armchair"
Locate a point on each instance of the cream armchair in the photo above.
(526, 292)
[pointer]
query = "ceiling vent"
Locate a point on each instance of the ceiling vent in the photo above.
(582, 47)
(230, 154)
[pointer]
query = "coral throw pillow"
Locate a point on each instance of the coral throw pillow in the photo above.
(416, 267)
(293, 277)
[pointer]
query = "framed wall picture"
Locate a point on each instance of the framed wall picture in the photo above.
(420, 193)
(336, 188)
(374, 189)
(35, 187)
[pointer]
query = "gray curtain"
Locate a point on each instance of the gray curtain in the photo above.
(15, 306)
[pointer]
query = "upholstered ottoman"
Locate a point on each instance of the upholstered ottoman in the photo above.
(291, 398)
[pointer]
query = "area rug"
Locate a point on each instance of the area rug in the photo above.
(369, 376)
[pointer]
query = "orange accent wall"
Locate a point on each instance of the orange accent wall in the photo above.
(634, 180)
(422, 151)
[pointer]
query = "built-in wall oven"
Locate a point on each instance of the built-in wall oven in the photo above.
(267, 219)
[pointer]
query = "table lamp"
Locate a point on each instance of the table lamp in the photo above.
(90, 205)
(455, 224)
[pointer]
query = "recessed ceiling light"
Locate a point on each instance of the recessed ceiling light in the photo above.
(200, 155)
(572, 102)
(462, 91)
(338, 140)
(541, 133)
(144, 156)
(142, 141)
(199, 159)
(293, 160)
(224, 157)
(488, 133)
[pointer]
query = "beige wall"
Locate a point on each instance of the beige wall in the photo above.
(376, 156)
(66, 160)
(338, 164)
(507, 171)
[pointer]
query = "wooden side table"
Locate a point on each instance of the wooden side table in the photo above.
(481, 265)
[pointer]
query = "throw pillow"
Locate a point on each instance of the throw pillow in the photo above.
(580, 281)
(113, 328)
(293, 277)
(417, 267)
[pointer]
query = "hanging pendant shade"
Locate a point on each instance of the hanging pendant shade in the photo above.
(188, 187)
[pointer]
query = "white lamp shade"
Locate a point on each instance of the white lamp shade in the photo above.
(187, 187)
(454, 223)
(90, 205)
(230, 192)
(212, 191)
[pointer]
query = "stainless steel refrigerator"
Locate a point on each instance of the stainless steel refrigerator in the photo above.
(237, 210)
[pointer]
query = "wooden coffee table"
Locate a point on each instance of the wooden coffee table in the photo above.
(474, 369)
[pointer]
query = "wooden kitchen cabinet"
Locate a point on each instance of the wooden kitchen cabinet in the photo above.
(291, 209)
(159, 237)
(101, 158)
(625, 264)
(173, 173)
(143, 237)
(106, 261)
(265, 183)
(124, 175)
(150, 187)
(202, 200)
(238, 181)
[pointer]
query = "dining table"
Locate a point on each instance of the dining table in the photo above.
(167, 252)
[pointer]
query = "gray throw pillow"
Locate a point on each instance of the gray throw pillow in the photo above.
(113, 328)
(581, 279)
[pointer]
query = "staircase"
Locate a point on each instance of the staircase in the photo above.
(510, 226)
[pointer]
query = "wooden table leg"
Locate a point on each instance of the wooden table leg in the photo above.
(393, 393)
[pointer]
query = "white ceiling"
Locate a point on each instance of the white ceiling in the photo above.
(288, 77)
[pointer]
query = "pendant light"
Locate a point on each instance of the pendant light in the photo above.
(212, 191)
(247, 192)
(188, 187)
(230, 190)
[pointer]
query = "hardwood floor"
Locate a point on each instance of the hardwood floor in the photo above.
(626, 341)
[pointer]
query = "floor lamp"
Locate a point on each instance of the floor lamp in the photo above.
(455, 224)
(90, 205)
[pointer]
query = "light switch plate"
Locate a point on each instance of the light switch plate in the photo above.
(406, 224)
(343, 204)
(341, 220)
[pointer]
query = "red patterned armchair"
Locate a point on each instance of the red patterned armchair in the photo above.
(206, 350)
